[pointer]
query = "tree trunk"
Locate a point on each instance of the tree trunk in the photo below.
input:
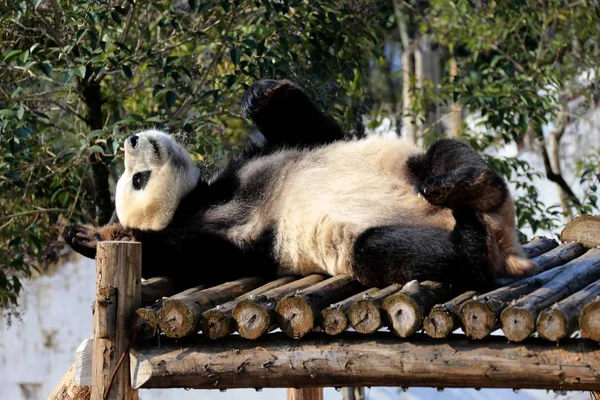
(455, 120)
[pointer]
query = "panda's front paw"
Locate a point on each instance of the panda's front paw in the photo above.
(261, 94)
(83, 239)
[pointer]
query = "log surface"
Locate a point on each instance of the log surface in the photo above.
(351, 359)
(479, 316)
(444, 318)
(156, 288)
(589, 320)
(518, 319)
(538, 245)
(365, 315)
(68, 389)
(333, 319)
(562, 319)
(584, 229)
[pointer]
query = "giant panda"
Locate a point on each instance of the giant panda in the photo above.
(309, 201)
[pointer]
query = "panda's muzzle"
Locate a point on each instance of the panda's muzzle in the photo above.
(133, 141)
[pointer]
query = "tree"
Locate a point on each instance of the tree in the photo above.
(77, 77)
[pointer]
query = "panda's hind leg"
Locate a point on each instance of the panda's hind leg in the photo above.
(398, 254)
(451, 174)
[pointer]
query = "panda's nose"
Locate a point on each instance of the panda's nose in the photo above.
(133, 140)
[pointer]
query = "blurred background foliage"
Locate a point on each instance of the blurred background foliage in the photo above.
(77, 77)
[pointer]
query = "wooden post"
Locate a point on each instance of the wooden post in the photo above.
(305, 394)
(118, 295)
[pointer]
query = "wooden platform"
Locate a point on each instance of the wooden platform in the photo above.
(323, 331)
(541, 332)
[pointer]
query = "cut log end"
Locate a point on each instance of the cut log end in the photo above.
(590, 320)
(252, 319)
(175, 319)
(552, 325)
(294, 316)
(438, 324)
(403, 314)
(364, 317)
(477, 319)
(517, 323)
(215, 324)
(333, 321)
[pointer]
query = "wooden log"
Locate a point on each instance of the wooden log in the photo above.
(218, 322)
(156, 288)
(444, 318)
(118, 274)
(256, 315)
(181, 315)
(518, 320)
(333, 319)
(296, 314)
(404, 311)
(589, 321)
(562, 319)
(380, 359)
(305, 394)
(365, 315)
(538, 245)
(68, 389)
(584, 229)
(479, 316)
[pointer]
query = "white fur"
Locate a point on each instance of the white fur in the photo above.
(153, 207)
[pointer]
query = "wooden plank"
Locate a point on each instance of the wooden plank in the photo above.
(562, 319)
(479, 316)
(296, 314)
(119, 267)
(380, 359)
(584, 229)
(518, 320)
(404, 311)
(181, 315)
(218, 322)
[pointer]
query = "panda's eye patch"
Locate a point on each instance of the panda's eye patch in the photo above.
(140, 179)
(155, 146)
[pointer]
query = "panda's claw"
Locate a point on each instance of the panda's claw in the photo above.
(82, 239)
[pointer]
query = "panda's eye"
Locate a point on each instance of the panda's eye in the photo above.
(140, 179)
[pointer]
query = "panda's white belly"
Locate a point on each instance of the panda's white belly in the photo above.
(335, 194)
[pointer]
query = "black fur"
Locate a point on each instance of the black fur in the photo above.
(140, 179)
(286, 116)
(451, 174)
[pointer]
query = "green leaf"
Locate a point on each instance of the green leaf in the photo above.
(96, 149)
(12, 55)
(80, 71)
(235, 55)
(46, 67)
(157, 90)
(171, 98)
(20, 112)
(96, 133)
(116, 16)
(127, 71)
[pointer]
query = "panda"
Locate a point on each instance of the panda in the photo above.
(309, 201)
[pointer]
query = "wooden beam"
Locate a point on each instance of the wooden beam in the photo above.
(584, 229)
(333, 319)
(479, 316)
(562, 319)
(181, 315)
(404, 311)
(380, 359)
(118, 295)
(296, 314)
(518, 319)
(444, 318)
(156, 288)
(218, 322)
(539, 245)
(256, 316)
(365, 314)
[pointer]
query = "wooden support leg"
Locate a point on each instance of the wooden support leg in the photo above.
(118, 295)
(305, 394)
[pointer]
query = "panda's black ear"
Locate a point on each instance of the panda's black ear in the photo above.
(286, 116)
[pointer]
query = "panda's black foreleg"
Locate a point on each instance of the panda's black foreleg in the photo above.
(451, 174)
(286, 116)
(398, 254)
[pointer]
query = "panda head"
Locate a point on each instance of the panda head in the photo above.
(159, 172)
